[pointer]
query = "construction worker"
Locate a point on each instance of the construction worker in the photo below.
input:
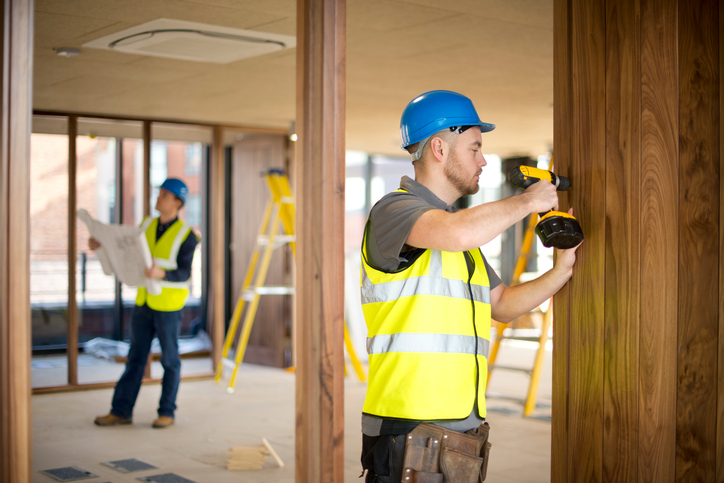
(428, 296)
(172, 244)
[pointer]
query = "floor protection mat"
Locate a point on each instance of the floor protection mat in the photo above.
(165, 478)
(130, 465)
(69, 473)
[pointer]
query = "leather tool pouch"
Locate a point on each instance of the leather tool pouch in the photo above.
(434, 454)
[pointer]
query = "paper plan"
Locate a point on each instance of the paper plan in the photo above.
(124, 252)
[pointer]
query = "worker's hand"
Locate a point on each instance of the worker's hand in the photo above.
(542, 196)
(93, 244)
(155, 272)
(566, 257)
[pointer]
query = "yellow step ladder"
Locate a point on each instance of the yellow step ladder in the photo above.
(279, 212)
(535, 372)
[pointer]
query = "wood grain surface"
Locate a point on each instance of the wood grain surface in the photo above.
(623, 212)
(16, 36)
(319, 188)
(561, 306)
(586, 170)
(72, 313)
(699, 248)
(659, 241)
(215, 244)
(720, 382)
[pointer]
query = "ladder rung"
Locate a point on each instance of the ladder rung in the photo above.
(228, 363)
(279, 240)
(271, 290)
(523, 338)
(510, 368)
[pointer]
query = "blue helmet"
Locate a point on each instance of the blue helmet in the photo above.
(434, 111)
(177, 187)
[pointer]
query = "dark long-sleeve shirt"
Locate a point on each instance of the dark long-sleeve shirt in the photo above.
(185, 254)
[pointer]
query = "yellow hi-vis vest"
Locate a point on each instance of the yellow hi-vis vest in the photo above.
(428, 337)
(165, 252)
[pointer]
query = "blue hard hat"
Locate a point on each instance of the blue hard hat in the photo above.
(177, 187)
(434, 111)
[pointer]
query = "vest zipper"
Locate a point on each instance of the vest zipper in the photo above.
(471, 270)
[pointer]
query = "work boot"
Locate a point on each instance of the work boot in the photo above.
(111, 420)
(162, 422)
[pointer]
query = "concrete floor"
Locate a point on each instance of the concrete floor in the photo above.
(209, 422)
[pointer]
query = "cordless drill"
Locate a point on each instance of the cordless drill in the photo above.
(555, 228)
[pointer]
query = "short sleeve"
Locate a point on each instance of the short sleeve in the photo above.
(493, 278)
(390, 223)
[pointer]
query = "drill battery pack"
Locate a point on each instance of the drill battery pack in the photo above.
(559, 230)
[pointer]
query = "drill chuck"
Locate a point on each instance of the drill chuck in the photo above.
(524, 176)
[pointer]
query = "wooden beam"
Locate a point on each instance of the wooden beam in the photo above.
(587, 171)
(319, 180)
(720, 382)
(562, 82)
(659, 244)
(699, 248)
(622, 269)
(72, 312)
(215, 316)
(16, 39)
(147, 200)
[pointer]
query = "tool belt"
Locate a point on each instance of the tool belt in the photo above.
(434, 454)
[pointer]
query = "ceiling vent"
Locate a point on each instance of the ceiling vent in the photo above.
(178, 39)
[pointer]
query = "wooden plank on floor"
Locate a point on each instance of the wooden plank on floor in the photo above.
(659, 244)
(587, 197)
(623, 181)
(699, 248)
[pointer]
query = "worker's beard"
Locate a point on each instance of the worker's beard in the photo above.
(455, 174)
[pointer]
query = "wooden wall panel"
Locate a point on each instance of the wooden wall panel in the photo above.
(720, 382)
(215, 245)
(16, 40)
(659, 243)
(250, 194)
(561, 331)
(622, 181)
(586, 169)
(72, 313)
(319, 181)
(699, 248)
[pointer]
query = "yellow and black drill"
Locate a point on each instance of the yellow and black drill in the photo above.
(555, 228)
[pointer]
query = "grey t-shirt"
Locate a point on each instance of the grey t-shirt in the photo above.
(390, 223)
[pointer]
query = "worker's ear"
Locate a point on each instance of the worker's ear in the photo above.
(438, 148)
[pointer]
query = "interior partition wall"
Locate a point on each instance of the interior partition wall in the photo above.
(638, 360)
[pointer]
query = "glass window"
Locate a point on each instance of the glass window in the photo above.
(49, 249)
(179, 151)
(104, 171)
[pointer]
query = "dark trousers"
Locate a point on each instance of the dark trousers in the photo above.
(145, 324)
(382, 457)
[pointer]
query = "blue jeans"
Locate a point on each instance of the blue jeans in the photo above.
(145, 324)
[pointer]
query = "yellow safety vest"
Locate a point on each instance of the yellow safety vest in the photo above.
(165, 252)
(427, 341)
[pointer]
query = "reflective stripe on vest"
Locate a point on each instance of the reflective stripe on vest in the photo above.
(427, 340)
(165, 252)
(433, 284)
(440, 343)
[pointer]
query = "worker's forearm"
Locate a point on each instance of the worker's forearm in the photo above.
(470, 228)
(521, 299)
